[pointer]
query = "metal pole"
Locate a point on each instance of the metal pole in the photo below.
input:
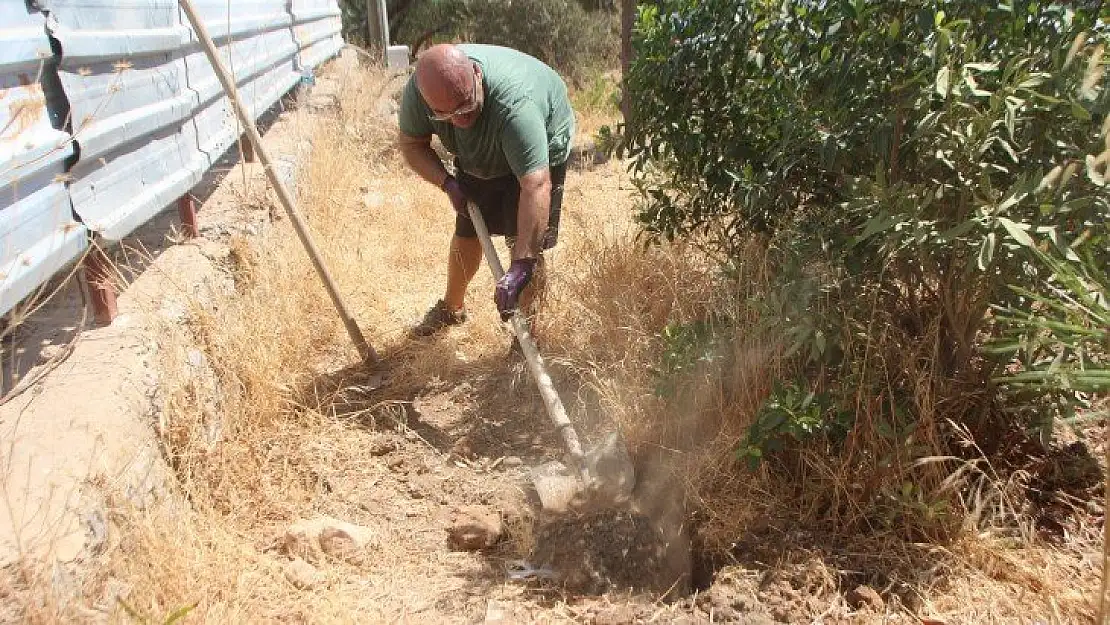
(364, 349)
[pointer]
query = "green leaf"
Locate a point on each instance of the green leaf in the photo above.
(938, 19)
(969, 80)
(1079, 112)
(180, 613)
(894, 29)
(943, 77)
(1017, 231)
(1011, 202)
(986, 252)
(1034, 80)
(826, 54)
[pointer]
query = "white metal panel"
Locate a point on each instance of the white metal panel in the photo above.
(256, 45)
(123, 115)
(317, 27)
(123, 72)
(38, 234)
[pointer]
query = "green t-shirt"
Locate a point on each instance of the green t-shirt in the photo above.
(526, 121)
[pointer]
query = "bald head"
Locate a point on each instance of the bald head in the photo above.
(445, 77)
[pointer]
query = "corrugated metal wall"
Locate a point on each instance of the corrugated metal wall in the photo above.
(109, 112)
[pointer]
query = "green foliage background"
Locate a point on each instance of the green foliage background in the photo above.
(909, 166)
(574, 36)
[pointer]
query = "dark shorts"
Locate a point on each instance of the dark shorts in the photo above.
(497, 201)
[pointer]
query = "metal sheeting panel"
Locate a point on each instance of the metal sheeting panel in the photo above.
(317, 27)
(256, 45)
(38, 234)
(123, 71)
(144, 116)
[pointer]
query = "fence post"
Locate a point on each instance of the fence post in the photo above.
(187, 210)
(102, 292)
(377, 27)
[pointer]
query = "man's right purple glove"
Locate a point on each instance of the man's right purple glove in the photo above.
(507, 292)
(455, 194)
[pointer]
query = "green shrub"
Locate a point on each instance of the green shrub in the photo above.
(907, 153)
(561, 33)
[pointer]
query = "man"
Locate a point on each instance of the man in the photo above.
(506, 118)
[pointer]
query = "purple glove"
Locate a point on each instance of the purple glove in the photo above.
(455, 194)
(511, 285)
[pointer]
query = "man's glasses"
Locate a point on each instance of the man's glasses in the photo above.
(465, 109)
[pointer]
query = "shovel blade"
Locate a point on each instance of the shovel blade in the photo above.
(556, 485)
(612, 477)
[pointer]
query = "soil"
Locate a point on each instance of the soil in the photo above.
(606, 550)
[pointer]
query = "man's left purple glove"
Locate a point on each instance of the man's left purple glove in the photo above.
(455, 193)
(511, 285)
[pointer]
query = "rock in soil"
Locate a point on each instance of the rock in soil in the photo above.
(474, 528)
(302, 574)
(463, 448)
(616, 549)
(862, 597)
(382, 446)
(309, 539)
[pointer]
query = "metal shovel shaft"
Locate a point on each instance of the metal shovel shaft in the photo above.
(551, 401)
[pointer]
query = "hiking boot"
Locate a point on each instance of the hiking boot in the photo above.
(437, 318)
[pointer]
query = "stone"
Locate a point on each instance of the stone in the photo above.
(382, 446)
(512, 462)
(462, 448)
(302, 574)
(862, 597)
(395, 463)
(474, 528)
(497, 613)
(313, 538)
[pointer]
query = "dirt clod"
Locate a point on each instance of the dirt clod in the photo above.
(463, 448)
(382, 446)
(615, 549)
(474, 528)
(309, 539)
(864, 597)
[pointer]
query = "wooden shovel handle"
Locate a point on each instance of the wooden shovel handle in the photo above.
(551, 401)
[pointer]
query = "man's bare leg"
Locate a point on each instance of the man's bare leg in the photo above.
(463, 261)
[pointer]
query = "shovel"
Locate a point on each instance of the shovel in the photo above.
(603, 474)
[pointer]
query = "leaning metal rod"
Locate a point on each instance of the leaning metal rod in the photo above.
(364, 349)
(555, 410)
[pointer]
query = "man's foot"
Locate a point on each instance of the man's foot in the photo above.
(437, 318)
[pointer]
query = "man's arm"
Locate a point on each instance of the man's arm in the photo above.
(533, 211)
(420, 156)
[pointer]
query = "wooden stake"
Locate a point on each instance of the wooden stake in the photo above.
(251, 131)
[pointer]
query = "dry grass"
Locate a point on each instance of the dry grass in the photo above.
(284, 427)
